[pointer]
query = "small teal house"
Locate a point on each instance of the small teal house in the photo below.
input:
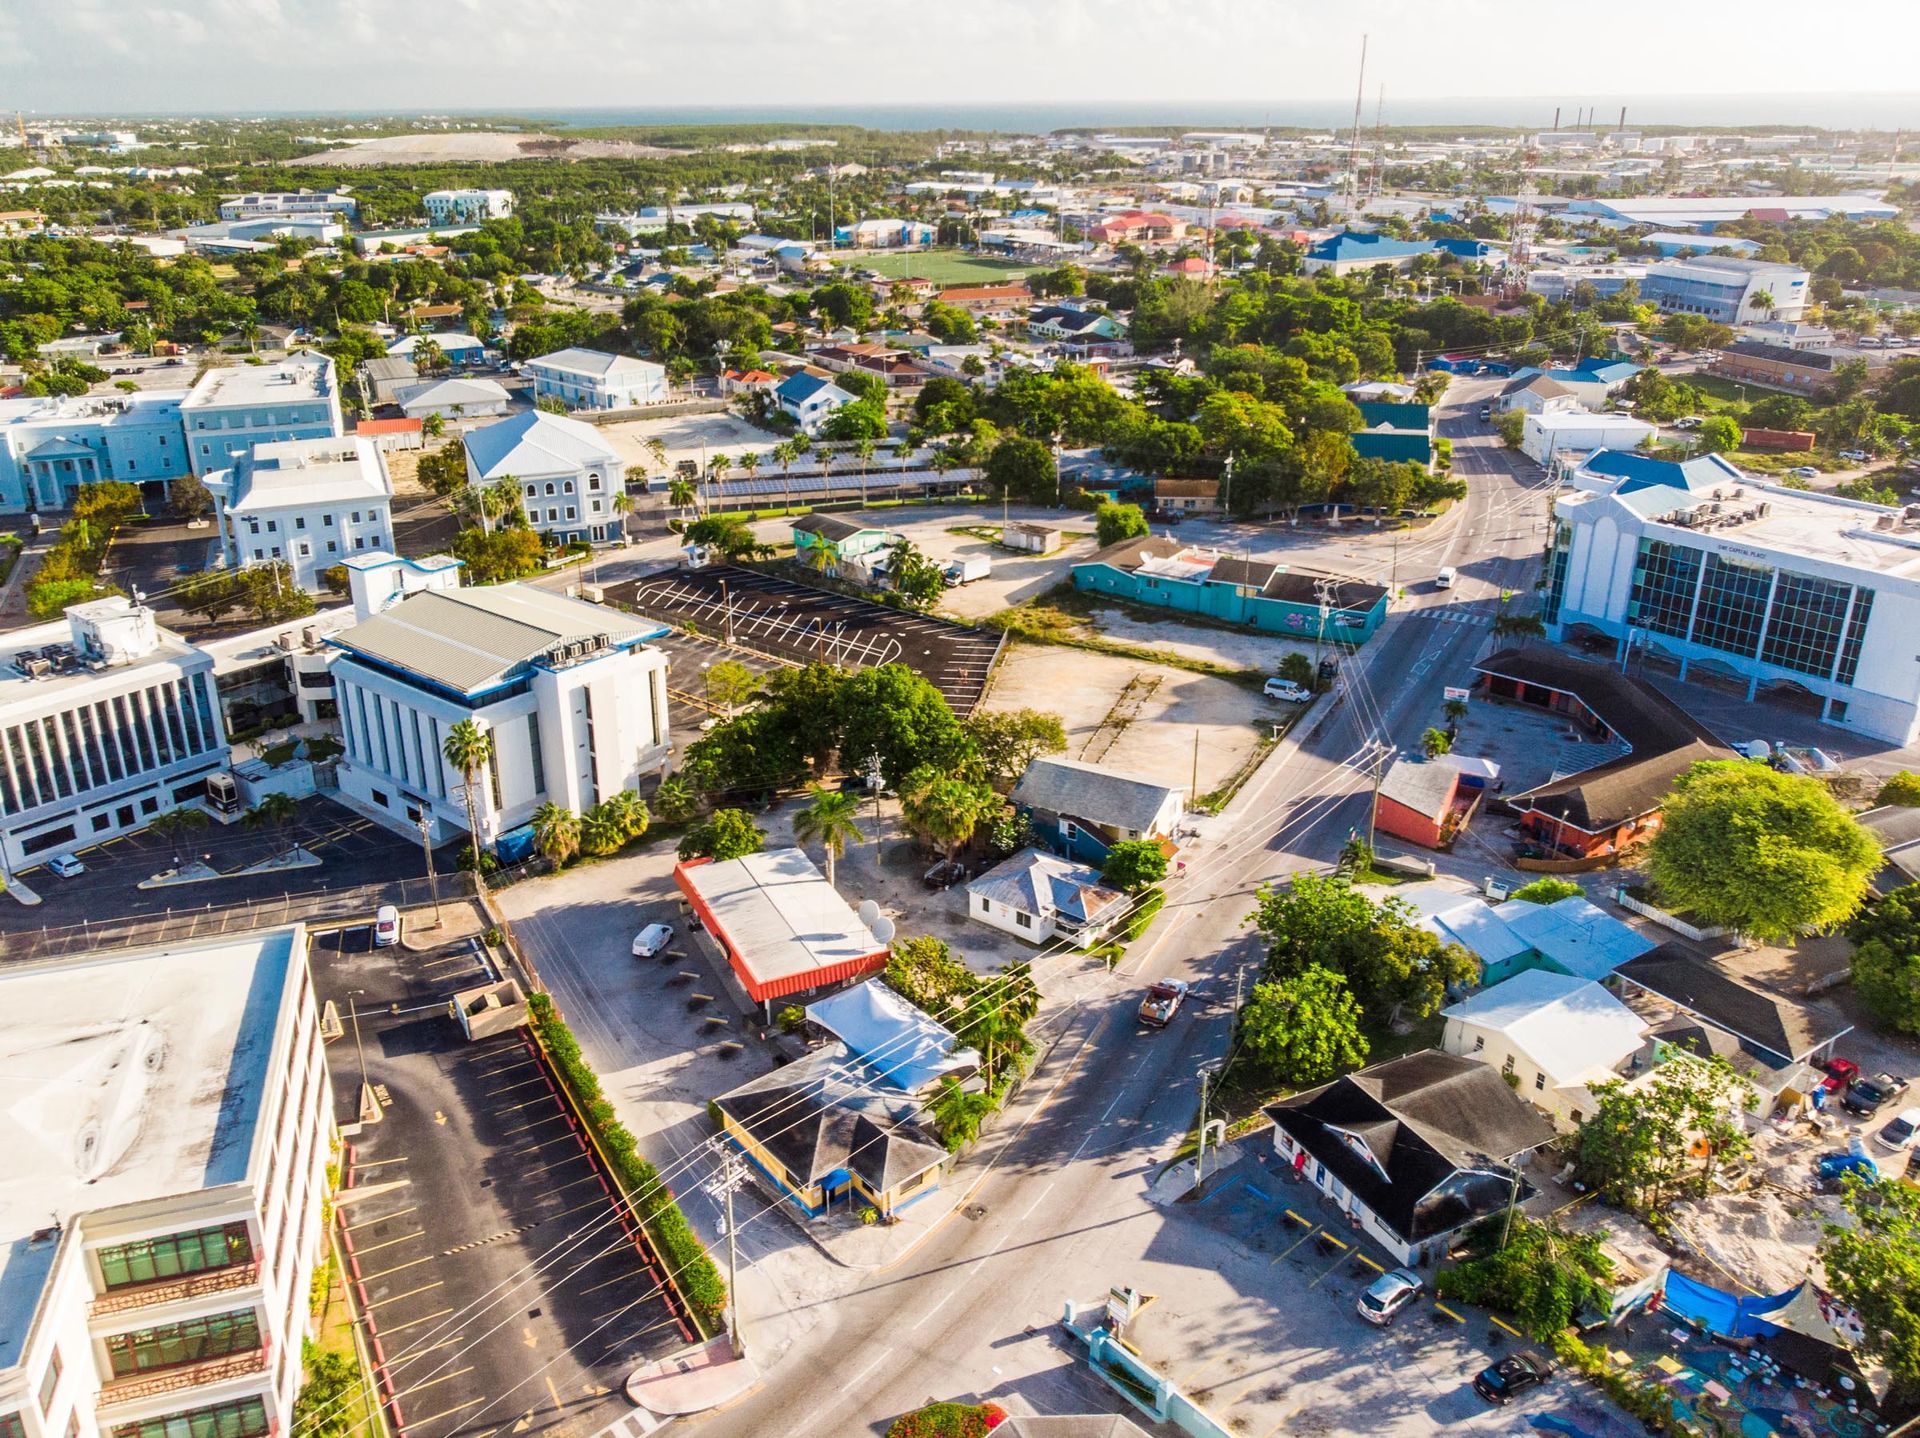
(1269, 597)
(839, 540)
(1395, 432)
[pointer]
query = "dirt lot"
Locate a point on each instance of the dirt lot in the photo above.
(1133, 716)
(482, 146)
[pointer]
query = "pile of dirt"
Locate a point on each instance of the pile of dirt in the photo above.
(478, 147)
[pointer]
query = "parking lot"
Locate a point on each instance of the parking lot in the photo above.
(689, 656)
(503, 1290)
(793, 621)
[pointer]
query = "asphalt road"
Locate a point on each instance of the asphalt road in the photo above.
(1062, 1213)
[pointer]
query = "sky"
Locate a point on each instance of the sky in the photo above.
(218, 56)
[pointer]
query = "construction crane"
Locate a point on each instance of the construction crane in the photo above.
(20, 125)
(1353, 145)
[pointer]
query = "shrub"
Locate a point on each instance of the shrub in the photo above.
(695, 1274)
(948, 1420)
(1903, 789)
(1137, 921)
(791, 1019)
(1547, 891)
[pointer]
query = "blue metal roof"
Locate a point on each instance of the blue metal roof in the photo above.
(1639, 471)
(1353, 246)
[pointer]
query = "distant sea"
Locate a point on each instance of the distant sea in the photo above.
(1827, 112)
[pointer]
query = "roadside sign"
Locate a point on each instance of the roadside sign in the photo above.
(1463, 695)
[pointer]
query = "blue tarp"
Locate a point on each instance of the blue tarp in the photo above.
(1722, 1313)
(901, 1044)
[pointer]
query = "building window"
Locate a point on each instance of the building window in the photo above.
(569, 511)
(1539, 1082)
(192, 1340)
(152, 1260)
(1733, 605)
(1024, 920)
(241, 1418)
(300, 521)
(549, 489)
(1850, 647)
(331, 546)
(379, 798)
(1479, 1042)
(1664, 578)
(533, 752)
(327, 520)
(50, 1380)
(1803, 630)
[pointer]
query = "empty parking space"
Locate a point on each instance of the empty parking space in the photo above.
(799, 623)
(502, 1286)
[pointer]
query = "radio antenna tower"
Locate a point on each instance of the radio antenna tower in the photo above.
(1520, 232)
(1353, 145)
(1376, 180)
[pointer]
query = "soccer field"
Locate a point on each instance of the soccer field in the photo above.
(943, 267)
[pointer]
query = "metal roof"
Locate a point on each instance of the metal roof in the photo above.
(1086, 791)
(779, 914)
(535, 443)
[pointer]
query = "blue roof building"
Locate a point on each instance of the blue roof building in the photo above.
(1395, 432)
(1345, 253)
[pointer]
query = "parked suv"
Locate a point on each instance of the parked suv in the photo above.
(1867, 1096)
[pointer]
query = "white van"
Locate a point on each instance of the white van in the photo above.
(1444, 579)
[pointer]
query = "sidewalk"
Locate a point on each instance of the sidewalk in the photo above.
(692, 1381)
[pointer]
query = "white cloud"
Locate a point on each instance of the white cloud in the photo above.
(215, 55)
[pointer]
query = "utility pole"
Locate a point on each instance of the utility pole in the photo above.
(732, 1175)
(426, 848)
(1381, 753)
(1353, 145)
(1193, 792)
(875, 779)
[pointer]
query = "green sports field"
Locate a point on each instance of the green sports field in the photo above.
(943, 267)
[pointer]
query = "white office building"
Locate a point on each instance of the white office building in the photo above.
(106, 719)
(593, 379)
(453, 398)
(311, 502)
(1695, 569)
(231, 410)
(287, 203)
(567, 473)
(462, 207)
(1727, 288)
(50, 447)
(1552, 433)
(571, 693)
(167, 1119)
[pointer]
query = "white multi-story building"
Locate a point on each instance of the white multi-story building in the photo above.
(311, 502)
(455, 207)
(568, 475)
(594, 379)
(1694, 567)
(50, 447)
(290, 202)
(106, 719)
(230, 410)
(167, 1119)
(1727, 288)
(573, 696)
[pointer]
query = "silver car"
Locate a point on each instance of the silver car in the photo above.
(1391, 1292)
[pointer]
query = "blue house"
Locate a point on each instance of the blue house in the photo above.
(1268, 597)
(1082, 810)
(1467, 249)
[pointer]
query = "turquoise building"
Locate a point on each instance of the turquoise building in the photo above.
(1395, 432)
(1269, 597)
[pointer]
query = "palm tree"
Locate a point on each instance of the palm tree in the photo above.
(864, 450)
(501, 498)
(629, 810)
(434, 425)
(749, 463)
(657, 448)
(429, 357)
(1763, 301)
(556, 833)
(681, 493)
(176, 822)
(942, 809)
(274, 811)
(469, 749)
(1435, 743)
(829, 817)
(622, 505)
(601, 831)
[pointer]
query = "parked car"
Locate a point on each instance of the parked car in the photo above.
(1900, 1131)
(1286, 691)
(1486, 411)
(1511, 1375)
(1689, 421)
(386, 927)
(651, 940)
(1867, 1096)
(1390, 1292)
(1856, 456)
(1840, 1073)
(66, 866)
(1162, 1001)
(1830, 1170)
(1804, 471)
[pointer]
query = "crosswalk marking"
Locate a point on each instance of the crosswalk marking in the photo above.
(636, 1423)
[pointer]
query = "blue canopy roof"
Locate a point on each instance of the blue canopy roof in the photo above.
(897, 1041)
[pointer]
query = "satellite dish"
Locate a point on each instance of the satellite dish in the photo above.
(883, 930)
(869, 912)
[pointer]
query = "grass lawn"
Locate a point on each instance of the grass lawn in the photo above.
(1723, 393)
(943, 267)
(334, 1335)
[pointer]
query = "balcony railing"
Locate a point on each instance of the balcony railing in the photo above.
(139, 1387)
(173, 1290)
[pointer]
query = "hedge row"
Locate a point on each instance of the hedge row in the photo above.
(1137, 921)
(683, 1255)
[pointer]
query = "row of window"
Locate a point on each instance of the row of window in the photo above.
(375, 737)
(242, 1418)
(566, 486)
(174, 1255)
(374, 516)
(120, 737)
(304, 550)
(192, 1340)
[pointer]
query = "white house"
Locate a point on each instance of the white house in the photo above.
(1037, 896)
(808, 399)
(106, 719)
(573, 696)
(168, 1122)
(230, 410)
(593, 379)
(458, 207)
(567, 473)
(311, 502)
(452, 399)
(1542, 436)
(1555, 1035)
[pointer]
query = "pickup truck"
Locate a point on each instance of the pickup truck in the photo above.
(1162, 1002)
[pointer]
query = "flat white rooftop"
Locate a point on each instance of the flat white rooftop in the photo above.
(308, 472)
(781, 915)
(125, 1077)
(293, 380)
(16, 687)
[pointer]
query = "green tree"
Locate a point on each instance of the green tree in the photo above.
(274, 811)
(1767, 853)
(727, 834)
(556, 832)
(1719, 434)
(187, 498)
(1886, 958)
(1022, 469)
(1115, 522)
(729, 684)
(1434, 743)
(504, 554)
(924, 971)
(468, 749)
(1392, 967)
(1638, 1148)
(1873, 1266)
(674, 799)
(1512, 427)
(895, 713)
(945, 809)
(174, 823)
(1304, 1029)
(830, 819)
(1007, 741)
(1547, 891)
(1902, 789)
(916, 578)
(1543, 1276)
(601, 831)
(1134, 864)
(864, 419)
(725, 533)
(629, 811)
